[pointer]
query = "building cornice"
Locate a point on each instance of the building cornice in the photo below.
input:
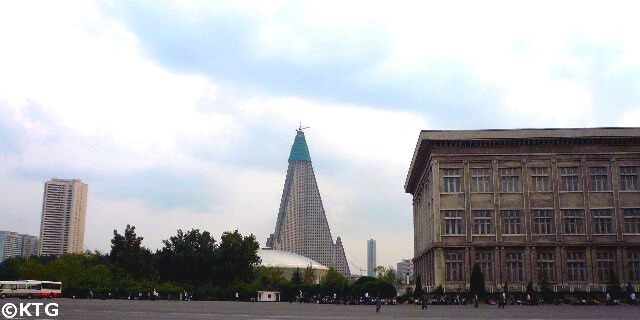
(430, 139)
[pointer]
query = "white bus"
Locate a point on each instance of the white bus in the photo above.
(30, 289)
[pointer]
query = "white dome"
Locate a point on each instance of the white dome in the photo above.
(287, 260)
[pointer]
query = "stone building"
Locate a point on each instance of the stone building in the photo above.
(302, 226)
(527, 204)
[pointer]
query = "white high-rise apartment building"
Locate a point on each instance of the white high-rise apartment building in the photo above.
(10, 245)
(302, 225)
(64, 208)
(30, 245)
(404, 271)
(371, 258)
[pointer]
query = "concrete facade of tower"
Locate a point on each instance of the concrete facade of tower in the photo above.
(302, 225)
(64, 207)
(371, 258)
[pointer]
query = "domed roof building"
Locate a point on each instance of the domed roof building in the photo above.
(288, 262)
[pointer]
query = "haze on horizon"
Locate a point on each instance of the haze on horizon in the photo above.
(181, 114)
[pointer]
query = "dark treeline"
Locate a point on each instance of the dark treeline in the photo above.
(191, 261)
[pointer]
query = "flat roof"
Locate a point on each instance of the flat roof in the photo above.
(510, 134)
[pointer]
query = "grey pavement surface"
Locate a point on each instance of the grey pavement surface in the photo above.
(158, 310)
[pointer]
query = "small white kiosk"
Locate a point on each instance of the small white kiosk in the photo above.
(268, 296)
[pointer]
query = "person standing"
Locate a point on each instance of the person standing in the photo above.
(378, 304)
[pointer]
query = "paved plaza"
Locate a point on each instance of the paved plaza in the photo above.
(157, 310)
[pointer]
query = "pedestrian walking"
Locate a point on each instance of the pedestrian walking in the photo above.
(475, 301)
(424, 302)
(608, 299)
(502, 300)
(237, 297)
(378, 304)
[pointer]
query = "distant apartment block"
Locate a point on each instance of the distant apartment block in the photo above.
(13, 244)
(30, 245)
(64, 208)
(371, 258)
(561, 205)
(404, 271)
(10, 245)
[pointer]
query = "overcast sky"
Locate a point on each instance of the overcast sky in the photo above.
(182, 114)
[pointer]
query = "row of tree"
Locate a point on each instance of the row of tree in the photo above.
(192, 262)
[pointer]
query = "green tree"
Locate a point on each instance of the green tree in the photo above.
(237, 257)
(544, 286)
(270, 278)
(187, 258)
(309, 276)
(417, 292)
(477, 281)
(296, 278)
(334, 282)
(614, 287)
(128, 256)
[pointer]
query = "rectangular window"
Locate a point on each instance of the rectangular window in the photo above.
(634, 265)
(515, 270)
(483, 222)
(540, 179)
(602, 221)
(629, 178)
(546, 266)
(543, 221)
(631, 220)
(598, 179)
(576, 267)
(452, 179)
(511, 223)
(485, 260)
(453, 222)
(454, 266)
(481, 180)
(573, 221)
(510, 180)
(604, 262)
(570, 179)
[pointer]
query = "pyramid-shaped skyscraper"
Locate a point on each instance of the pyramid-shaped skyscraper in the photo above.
(302, 225)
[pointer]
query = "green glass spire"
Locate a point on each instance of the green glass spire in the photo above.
(299, 149)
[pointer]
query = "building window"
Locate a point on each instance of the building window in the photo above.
(543, 221)
(481, 180)
(569, 179)
(602, 221)
(546, 266)
(604, 262)
(452, 179)
(482, 222)
(453, 222)
(629, 178)
(576, 267)
(598, 179)
(510, 180)
(511, 222)
(515, 270)
(634, 265)
(540, 179)
(573, 221)
(485, 260)
(631, 220)
(454, 266)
